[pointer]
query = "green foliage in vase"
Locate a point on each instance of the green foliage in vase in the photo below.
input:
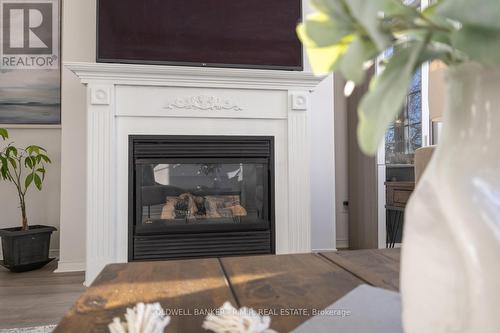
(23, 167)
(348, 36)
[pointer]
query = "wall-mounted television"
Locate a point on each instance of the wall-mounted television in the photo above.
(217, 33)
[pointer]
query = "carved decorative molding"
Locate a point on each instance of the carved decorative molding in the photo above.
(203, 102)
(299, 101)
(100, 95)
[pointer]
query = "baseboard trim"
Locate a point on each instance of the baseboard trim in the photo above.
(324, 250)
(70, 266)
(342, 244)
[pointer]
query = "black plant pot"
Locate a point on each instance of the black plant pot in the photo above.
(26, 250)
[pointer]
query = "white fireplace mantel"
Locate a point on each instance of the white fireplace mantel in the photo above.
(169, 100)
(194, 76)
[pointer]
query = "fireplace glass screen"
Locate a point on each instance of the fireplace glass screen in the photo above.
(200, 196)
(183, 194)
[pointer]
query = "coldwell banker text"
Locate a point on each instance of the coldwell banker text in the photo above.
(30, 34)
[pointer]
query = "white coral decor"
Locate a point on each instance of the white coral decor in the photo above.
(143, 318)
(230, 320)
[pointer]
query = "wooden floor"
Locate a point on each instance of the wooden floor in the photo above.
(37, 298)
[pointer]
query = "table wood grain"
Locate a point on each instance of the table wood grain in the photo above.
(290, 288)
(379, 268)
(178, 285)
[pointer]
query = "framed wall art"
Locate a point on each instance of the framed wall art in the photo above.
(30, 75)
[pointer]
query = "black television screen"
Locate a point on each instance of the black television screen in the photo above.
(220, 33)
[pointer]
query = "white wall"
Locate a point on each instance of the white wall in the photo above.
(437, 90)
(341, 164)
(42, 207)
(78, 44)
(323, 208)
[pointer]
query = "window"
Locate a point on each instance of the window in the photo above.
(404, 135)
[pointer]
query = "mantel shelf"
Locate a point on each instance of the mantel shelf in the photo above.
(183, 76)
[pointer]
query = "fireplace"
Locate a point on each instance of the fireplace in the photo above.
(200, 196)
(238, 106)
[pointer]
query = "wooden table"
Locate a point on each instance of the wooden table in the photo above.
(287, 287)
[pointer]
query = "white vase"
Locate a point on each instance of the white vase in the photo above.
(450, 270)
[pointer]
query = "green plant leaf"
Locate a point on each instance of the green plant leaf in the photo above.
(354, 26)
(11, 150)
(479, 13)
(334, 8)
(481, 45)
(4, 133)
(42, 172)
(386, 96)
(13, 162)
(430, 13)
(443, 39)
(352, 63)
(45, 158)
(5, 174)
(38, 181)
(4, 164)
(34, 149)
(28, 180)
(323, 59)
(368, 14)
(328, 34)
(28, 162)
(321, 30)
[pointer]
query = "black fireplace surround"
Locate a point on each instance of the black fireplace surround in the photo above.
(200, 196)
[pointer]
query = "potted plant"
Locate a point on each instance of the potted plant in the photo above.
(25, 247)
(451, 239)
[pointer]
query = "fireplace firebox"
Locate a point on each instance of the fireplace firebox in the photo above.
(200, 196)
